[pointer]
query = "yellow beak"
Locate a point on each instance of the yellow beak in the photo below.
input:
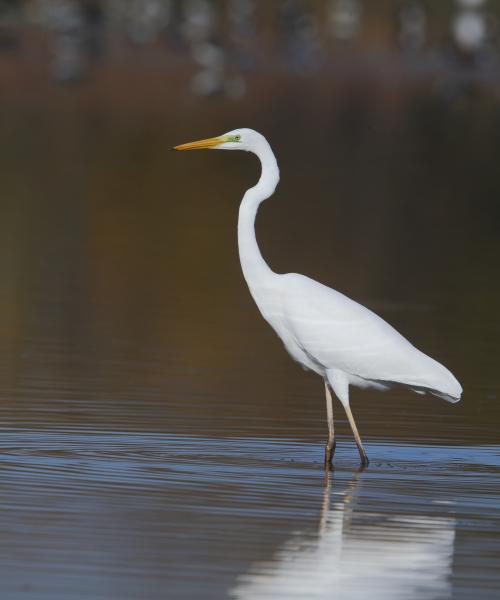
(200, 144)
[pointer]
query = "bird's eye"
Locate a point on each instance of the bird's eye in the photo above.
(237, 138)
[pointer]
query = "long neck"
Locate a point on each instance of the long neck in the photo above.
(255, 269)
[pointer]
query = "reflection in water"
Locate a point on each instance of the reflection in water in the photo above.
(128, 516)
(392, 556)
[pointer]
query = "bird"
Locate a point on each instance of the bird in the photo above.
(322, 329)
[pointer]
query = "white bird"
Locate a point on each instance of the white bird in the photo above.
(323, 330)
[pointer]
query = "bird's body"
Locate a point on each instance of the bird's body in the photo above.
(352, 342)
(325, 331)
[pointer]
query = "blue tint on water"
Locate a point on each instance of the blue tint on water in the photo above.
(141, 515)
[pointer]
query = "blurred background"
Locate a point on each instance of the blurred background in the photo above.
(122, 302)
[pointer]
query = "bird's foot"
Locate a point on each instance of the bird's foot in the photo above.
(364, 461)
(329, 452)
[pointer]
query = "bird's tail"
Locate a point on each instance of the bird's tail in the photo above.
(447, 397)
(441, 382)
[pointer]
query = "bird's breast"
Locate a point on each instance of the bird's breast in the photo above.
(272, 308)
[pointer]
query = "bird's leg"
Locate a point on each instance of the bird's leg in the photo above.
(330, 445)
(362, 453)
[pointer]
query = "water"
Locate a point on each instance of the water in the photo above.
(156, 441)
(122, 515)
(129, 476)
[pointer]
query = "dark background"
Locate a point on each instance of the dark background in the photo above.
(122, 302)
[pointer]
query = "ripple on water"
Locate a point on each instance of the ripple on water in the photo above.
(127, 515)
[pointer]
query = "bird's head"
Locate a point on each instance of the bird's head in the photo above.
(238, 139)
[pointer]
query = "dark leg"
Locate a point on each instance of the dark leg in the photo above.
(330, 445)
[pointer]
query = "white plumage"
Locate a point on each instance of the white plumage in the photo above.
(325, 331)
(336, 334)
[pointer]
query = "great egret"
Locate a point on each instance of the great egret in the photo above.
(322, 329)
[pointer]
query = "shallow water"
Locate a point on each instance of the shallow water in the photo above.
(156, 441)
(128, 476)
(121, 515)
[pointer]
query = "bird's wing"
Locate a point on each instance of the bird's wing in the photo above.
(340, 333)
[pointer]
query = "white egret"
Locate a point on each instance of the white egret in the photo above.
(322, 329)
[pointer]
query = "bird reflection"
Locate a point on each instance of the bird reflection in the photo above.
(389, 556)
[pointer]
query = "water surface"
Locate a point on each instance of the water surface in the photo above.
(121, 515)
(156, 442)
